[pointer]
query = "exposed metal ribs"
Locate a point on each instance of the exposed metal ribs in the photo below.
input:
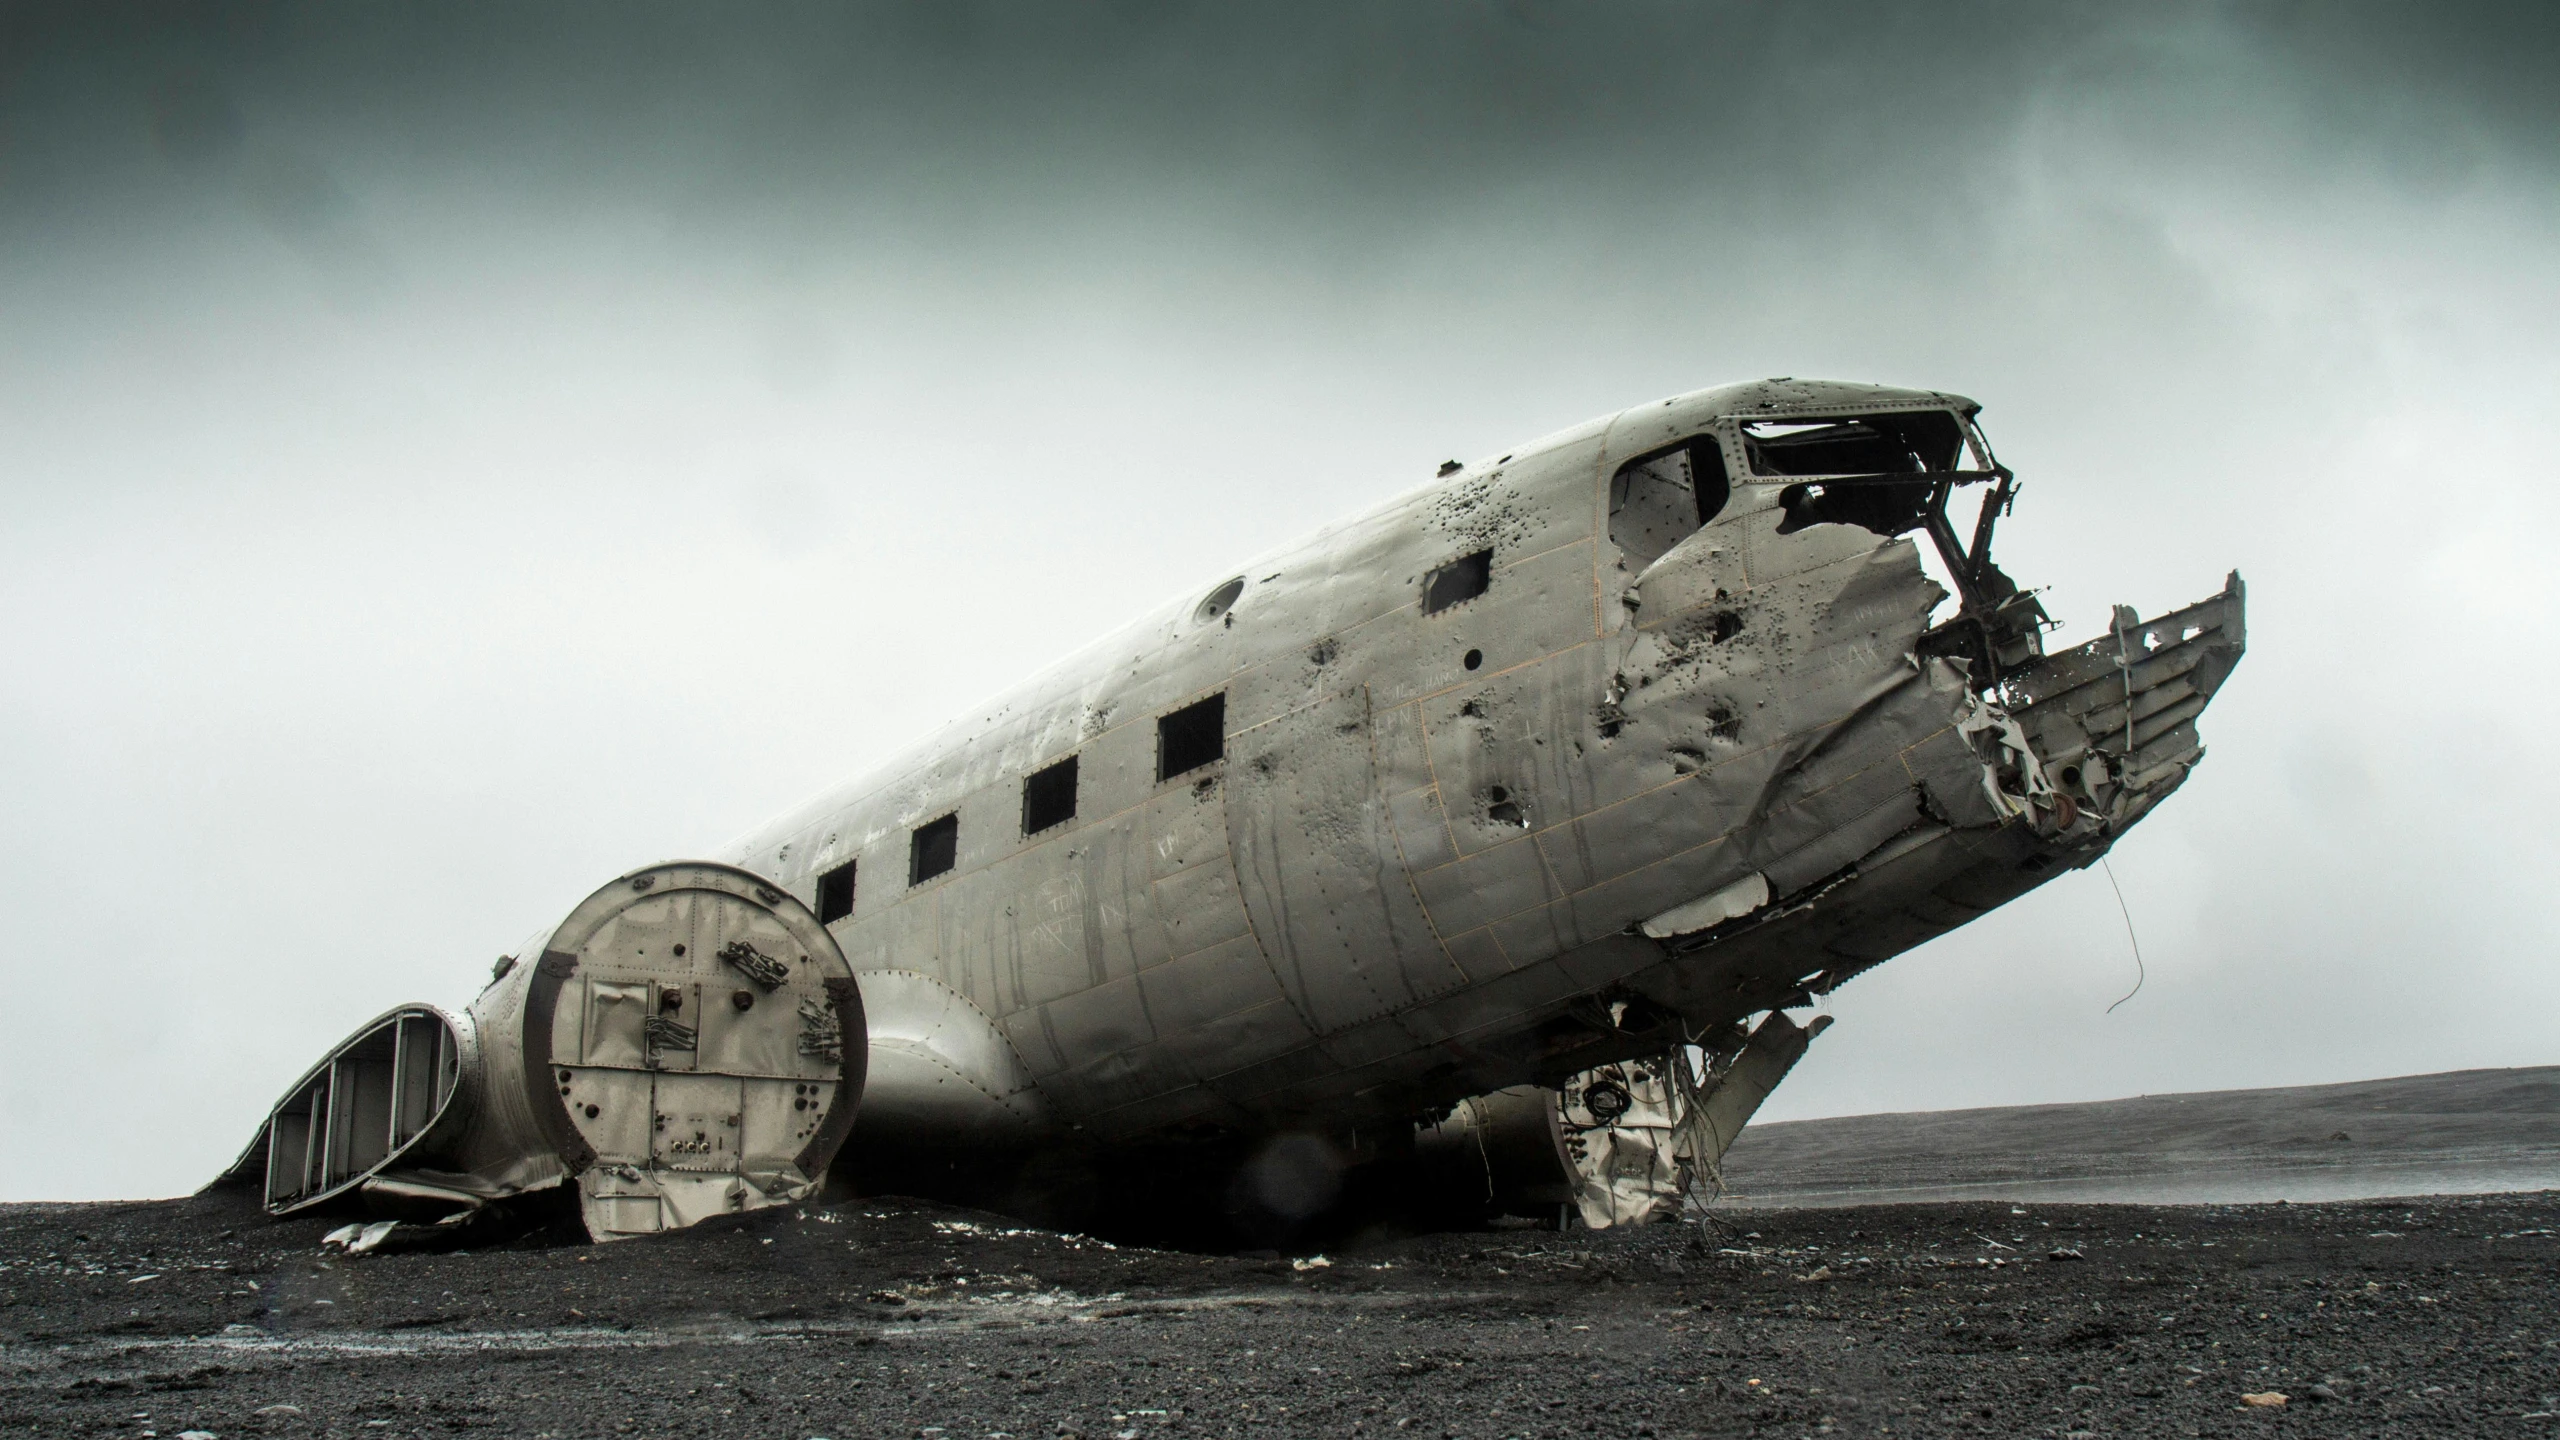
(374, 1096)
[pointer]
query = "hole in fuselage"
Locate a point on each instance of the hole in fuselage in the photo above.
(1460, 580)
(1473, 659)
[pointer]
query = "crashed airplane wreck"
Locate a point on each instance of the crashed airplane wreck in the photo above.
(1470, 853)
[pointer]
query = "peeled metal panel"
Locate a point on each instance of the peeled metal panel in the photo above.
(617, 1022)
(1704, 569)
(1767, 556)
(1828, 670)
(1329, 899)
(1727, 900)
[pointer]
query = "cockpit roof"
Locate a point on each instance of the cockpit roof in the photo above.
(1786, 395)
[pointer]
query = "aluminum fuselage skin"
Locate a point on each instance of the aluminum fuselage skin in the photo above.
(1420, 868)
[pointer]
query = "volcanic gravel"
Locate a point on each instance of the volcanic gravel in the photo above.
(897, 1318)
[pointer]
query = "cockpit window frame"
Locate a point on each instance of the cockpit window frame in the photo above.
(1967, 435)
(1703, 508)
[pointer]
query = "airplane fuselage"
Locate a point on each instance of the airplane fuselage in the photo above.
(1378, 820)
(1586, 752)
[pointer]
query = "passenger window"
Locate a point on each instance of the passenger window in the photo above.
(1659, 500)
(937, 849)
(1191, 737)
(835, 894)
(1461, 579)
(1049, 797)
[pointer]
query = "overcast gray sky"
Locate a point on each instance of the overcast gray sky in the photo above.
(449, 458)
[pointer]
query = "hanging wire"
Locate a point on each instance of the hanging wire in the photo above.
(2140, 973)
(1694, 1133)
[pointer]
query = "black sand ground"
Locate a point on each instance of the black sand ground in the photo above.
(885, 1318)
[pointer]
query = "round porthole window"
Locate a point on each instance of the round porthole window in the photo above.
(1219, 601)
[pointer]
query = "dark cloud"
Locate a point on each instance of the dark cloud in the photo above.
(1330, 120)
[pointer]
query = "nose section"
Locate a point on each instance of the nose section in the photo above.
(2114, 721)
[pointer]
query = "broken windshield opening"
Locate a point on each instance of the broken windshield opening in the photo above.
(1867, 454)
(1920, 440)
